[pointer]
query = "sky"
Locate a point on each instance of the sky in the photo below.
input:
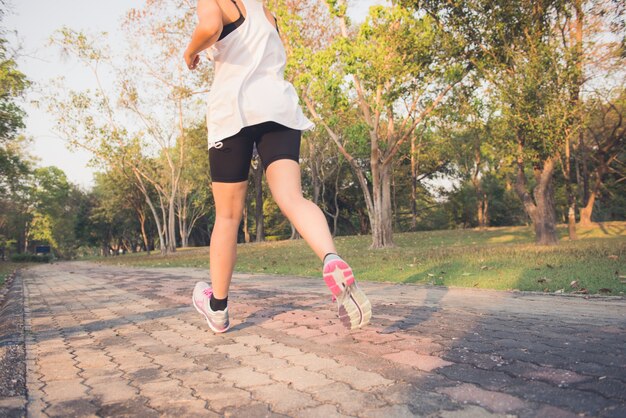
(34, 21)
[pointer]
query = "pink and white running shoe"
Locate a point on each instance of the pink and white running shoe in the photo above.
(354, 308)
(217, 320)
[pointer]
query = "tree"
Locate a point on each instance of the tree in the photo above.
(141, 125)
(530, 67)
(400, 67)
(194, 193)
(605, 136)
(15, 164)
(54, 211)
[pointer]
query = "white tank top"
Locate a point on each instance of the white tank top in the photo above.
(249, 86)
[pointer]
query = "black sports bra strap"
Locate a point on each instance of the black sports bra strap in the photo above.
(238, 9)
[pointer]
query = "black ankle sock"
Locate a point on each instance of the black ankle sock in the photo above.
(218, 304)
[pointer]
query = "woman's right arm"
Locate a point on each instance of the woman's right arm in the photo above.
(206, 33)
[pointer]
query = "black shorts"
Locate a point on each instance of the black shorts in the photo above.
(231, 162)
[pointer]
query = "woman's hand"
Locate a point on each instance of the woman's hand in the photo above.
(192, 60)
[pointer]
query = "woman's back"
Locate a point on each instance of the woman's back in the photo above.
(248, 86)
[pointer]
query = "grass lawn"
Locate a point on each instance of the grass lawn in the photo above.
(496, 258)
(6, 268)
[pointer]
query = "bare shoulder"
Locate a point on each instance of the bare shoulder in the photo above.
(208, 10)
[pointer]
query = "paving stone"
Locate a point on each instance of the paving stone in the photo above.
(419, 361)
(221, 395)
(349, 401)
(481, 360)
(72, 408)
(330, 339)
(488, 379)
(237, 350)
(195, 375)
(300, 378)
(260, 410)
(421, 402)
(182, 407)
(64, 390)
(358, 379)
(108, 389)
(135, 407)
(283, 399)
(253, 340)
(279, 350)
(170, 389)
(175, 362)
(472, 412)
(304, 332)
(393, 411)
(494, 401)
(129, 338)
(322, 411)
(263, 362)
(373, 337)
(610, 388)
(275, 325)
(577, 401)
(245, 377)
(553, 412)
(59, 371)
(312, 362)
(217, 361)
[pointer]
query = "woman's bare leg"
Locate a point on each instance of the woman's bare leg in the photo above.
(283, 177)
(229, 203)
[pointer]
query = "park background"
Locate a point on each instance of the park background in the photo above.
(476, 143)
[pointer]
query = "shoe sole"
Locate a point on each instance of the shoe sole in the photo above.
(193, 300)
(354, 308)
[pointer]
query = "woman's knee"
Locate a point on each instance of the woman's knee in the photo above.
(229, 201)
(289, 203)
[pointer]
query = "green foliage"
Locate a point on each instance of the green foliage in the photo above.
(52, 213)
(30, 258)
(13, 83)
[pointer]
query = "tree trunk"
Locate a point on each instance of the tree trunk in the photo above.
(577, 36)
(545, 215)
(541, 212)
(184, 231)
(294, 232)
(258, 215)
(480, 210)
(571, 198)
(481, 203)
(246, 231)
(142, 221)
(587, 210)
(485, 210)
(335, 215)
(413, 186)
(315, 173)
(382, 230)
(172, 223)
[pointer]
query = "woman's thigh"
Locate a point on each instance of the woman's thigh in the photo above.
(231, 162)
(277, 142)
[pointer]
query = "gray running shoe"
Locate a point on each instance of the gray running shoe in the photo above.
(217, 320)
(354, 308)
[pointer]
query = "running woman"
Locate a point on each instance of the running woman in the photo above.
(251, 105)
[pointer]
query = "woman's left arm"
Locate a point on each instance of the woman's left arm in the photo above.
(206, 33)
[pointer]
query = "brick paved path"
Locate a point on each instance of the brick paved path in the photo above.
(113, 341)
